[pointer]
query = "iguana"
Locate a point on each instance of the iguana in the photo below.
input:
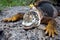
(41, 12)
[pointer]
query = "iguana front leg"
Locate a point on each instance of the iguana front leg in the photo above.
(51, 26)
(14, 18)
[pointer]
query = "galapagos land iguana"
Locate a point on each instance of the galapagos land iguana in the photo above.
(47, 13)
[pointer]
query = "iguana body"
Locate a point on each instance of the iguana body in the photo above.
(49, 13)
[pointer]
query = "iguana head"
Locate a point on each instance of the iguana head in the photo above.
(32, 18)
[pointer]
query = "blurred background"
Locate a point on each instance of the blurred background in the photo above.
(10, 3)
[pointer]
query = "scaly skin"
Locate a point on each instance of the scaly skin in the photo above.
(14, 18)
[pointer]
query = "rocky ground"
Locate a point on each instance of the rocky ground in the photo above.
(15, 31)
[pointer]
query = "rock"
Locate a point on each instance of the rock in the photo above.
(15, 31)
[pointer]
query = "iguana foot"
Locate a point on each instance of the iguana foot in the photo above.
(51, 29)
(13, 18)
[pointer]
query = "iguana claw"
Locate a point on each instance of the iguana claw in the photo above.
(50, 29)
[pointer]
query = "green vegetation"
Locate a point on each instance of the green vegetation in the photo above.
(9, 3)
